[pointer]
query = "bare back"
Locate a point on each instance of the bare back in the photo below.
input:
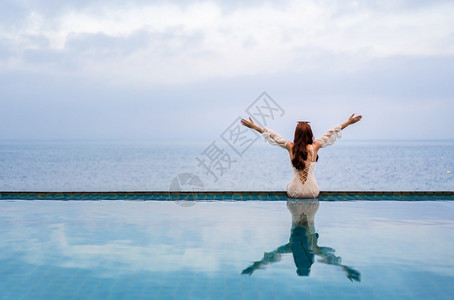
(312, 148)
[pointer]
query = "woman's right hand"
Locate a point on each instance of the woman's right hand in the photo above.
(353, 119)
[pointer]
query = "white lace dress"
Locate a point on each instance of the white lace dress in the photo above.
(303, 183)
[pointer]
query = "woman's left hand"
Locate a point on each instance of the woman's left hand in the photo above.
(249, 123)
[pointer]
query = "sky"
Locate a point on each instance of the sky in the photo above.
(185, 70)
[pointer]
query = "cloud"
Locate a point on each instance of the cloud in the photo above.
(150, 63)
(170, 43)
(144, 243)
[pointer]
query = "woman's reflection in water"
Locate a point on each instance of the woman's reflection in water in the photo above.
(303, 243)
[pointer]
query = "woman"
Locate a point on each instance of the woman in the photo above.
(303, 243)
(303, 153)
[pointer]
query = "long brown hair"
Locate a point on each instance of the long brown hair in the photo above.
(303, 137)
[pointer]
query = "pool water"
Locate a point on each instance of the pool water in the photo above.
(226, 250)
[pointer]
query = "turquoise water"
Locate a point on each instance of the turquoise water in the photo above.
(148, 166)
(159, 250)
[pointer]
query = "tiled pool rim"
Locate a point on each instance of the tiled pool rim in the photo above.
(229, 195)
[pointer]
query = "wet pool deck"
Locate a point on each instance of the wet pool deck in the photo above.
(229, 195)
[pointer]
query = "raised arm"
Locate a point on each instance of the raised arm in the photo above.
(329, 137)
(272, 137)
(251, 124)
(328, 257)
(268, 257)
(352, 120)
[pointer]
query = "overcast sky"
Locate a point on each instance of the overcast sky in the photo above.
(171, 70)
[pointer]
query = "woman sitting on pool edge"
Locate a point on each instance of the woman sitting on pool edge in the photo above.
(303, 153)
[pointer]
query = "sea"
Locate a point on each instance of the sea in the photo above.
(214, 165)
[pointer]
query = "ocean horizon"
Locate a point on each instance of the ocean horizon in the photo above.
(146, 165)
